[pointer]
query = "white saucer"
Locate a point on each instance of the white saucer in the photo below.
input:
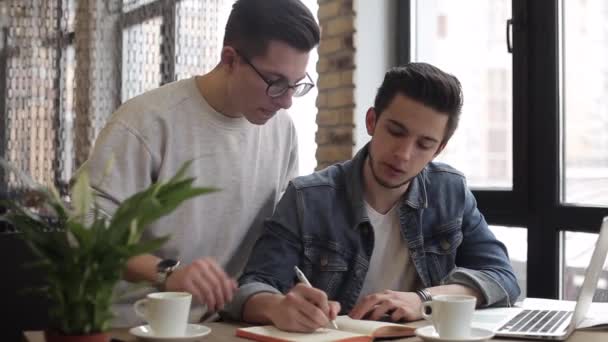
(193, 333)
(428, 333)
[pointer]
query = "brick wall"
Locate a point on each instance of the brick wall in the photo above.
(335, 103)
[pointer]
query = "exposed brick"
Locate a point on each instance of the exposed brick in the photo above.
(330, 45)
(335, 102)
(330, 80)
(340, 116)
(321, 100)
(322, 65)
(339, 135)
(329, 9)
(340, 97)
(334, 153)
(348, 41)
(339, 25)
(347, 77)
(347, 6)
(341, 61)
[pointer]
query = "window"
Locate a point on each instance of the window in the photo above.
(472, 48)
(578, 248)
(533, 139)
(585, 104)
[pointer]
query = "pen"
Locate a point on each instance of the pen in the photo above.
(303, 279)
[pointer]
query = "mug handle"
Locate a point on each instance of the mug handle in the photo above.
(140, 307)
(429, 306)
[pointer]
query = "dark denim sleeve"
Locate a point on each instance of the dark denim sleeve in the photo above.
(270, 267)
(483, 262)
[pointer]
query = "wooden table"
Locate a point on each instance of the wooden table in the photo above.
(225, 332)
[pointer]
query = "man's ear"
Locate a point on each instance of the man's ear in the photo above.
(229, 57)
(370, 120)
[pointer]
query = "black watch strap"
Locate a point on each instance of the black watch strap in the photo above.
(163, 270)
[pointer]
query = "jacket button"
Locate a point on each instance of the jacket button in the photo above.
(324, 261)
(445, 244)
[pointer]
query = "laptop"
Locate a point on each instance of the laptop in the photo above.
(550, 319)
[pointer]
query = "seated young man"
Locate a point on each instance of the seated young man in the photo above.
(381, 233)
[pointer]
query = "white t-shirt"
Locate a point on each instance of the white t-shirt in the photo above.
(152, 135)
(390, 267)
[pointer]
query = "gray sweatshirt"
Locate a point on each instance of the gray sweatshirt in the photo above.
(150, 136)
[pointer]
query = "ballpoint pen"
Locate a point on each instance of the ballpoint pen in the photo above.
(303, 279)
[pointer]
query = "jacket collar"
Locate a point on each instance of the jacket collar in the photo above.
(415, 197)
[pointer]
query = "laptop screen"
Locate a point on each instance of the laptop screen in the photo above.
(592, 275)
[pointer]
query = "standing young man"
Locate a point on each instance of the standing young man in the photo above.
(381, 233)
(231, 122)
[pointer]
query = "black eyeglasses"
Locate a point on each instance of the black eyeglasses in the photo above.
(279, 87)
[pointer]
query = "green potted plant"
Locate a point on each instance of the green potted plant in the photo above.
(85, 257)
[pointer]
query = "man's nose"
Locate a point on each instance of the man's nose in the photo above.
(286, 100)
(406, 149)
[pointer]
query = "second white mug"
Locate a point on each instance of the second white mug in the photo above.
(166, 312)
(451, 315)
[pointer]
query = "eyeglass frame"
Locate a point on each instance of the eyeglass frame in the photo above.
(271, 83)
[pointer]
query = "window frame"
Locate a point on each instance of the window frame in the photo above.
(535, 200)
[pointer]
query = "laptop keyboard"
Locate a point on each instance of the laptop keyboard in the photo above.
(536, 321)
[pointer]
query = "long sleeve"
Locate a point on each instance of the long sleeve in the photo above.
(482, 260)
(277, 251)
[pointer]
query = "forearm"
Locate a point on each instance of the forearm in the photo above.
(141, 268)
(257, 309)
(457, 289)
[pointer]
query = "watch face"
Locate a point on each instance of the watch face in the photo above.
(167, 264)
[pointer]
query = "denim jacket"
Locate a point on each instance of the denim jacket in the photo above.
(321, 225)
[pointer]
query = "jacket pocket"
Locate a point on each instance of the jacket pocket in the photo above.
(325, 264)
(441, 247)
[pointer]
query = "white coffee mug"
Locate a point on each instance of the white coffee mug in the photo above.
(451, 315)
(166, 312)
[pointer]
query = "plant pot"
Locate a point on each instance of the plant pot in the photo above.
(52, 336)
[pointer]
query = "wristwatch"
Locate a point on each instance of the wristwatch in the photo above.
(163, 270)
(424, 294)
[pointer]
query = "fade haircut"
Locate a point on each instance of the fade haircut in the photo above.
(252, 24)
(426, 84)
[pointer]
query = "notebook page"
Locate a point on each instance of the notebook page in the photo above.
(366, 327)
(320, 335)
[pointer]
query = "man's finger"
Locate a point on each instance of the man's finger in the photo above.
(366, 305)
(381, 309)
(315, 296)
(334, 310)
(209, 297)
(307, 309)
(401, 314)
(223, 281)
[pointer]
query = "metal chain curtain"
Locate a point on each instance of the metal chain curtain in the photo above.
(66, 65)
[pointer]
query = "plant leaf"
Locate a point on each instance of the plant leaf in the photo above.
(82, 196)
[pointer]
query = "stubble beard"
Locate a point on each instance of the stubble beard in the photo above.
(380, 180)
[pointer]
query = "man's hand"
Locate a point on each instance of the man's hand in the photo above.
(398, 305)
(303, 309)
(206, 281)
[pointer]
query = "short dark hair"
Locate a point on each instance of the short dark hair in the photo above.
(426, 84)
(252, 24)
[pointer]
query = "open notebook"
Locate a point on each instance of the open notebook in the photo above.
(350, 330)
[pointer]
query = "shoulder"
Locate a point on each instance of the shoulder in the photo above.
(442, 177)
(160, 104)
(331, 177)
(442, 170)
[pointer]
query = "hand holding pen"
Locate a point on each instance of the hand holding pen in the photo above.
(304, 280)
